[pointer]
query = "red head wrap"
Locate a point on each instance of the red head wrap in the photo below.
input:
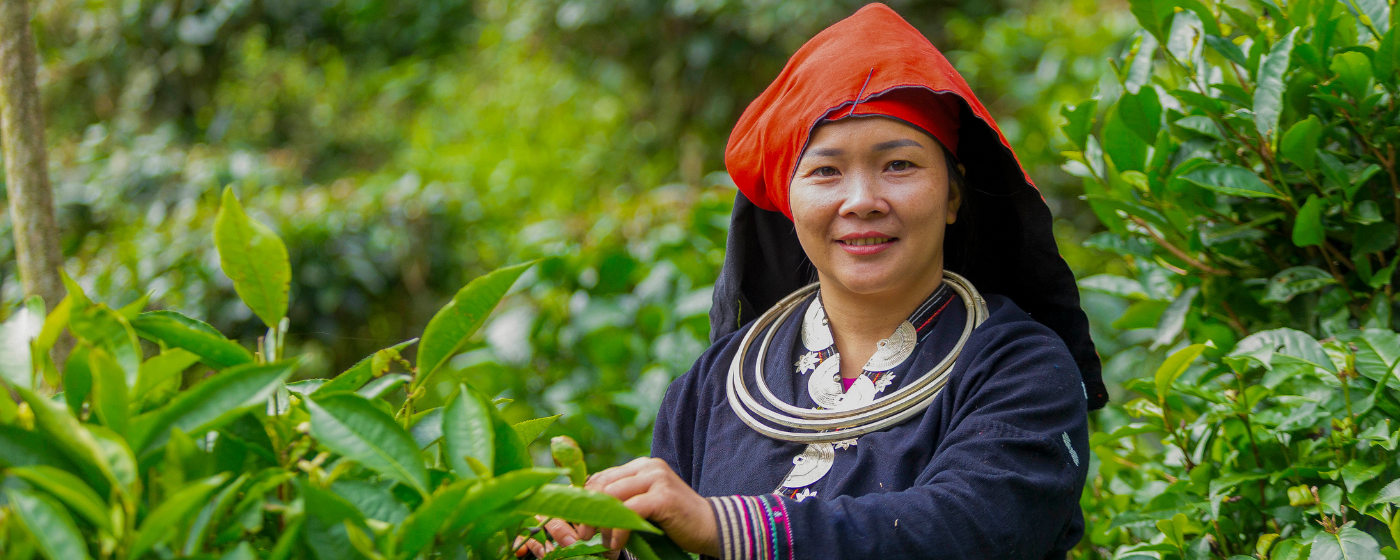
(872, 63)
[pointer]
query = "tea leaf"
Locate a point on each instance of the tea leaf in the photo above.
(255, 259)
(648, 546)
(530, 430)
(1079, 120)
(351, 426)
(160, 525)
(363, 370)
(1297, 280)
(210, 404)
(109, 393)
(568, 455)
(455, 322)
(467, 431)
(1230, 180)
(1268, 94)
(1349, 543)
(1174, 366)
(17, 336)
(578, 505)
(176, 330)
(69, 489)
(1299, 144)
(49, 525)
(437, 511)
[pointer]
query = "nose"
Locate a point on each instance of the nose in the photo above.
(863, 197)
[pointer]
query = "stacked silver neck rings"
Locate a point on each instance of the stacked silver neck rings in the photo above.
(835, 425)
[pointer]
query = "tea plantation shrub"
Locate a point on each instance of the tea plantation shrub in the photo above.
(1247, 171)
(161, 438)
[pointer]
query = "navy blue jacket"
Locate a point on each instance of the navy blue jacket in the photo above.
(994, 468)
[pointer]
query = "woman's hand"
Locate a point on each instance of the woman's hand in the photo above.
(649, 487)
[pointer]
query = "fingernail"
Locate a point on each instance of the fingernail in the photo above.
(566, 541)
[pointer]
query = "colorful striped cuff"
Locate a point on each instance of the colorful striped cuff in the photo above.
(752, 527)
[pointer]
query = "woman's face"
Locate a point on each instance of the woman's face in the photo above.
(871, 202)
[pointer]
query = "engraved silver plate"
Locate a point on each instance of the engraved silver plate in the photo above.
(861, 393)
(816, 332)
(824, 386)
(892, 351)
(811, 465)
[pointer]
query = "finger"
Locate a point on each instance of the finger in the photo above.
(561, 531)
(608, 476)
(586, 532)
(520, 548)
(536, 548)
(619, 539)
(633, 485)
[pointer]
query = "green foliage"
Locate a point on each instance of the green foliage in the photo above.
(233, 462)
(1255, 186)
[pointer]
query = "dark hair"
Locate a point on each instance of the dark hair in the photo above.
(957, 238)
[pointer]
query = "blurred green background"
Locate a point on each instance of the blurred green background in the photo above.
(402, 148)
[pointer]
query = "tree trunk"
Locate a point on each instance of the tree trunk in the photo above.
(25, 160)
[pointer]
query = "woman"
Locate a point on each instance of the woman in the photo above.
(895, 409)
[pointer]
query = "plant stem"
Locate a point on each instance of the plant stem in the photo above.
(1178, 252)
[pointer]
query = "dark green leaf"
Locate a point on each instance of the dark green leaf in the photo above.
(1297, 280)
(375, 501)
(72, 437)
(351, 426)
(161, 524)
(427, 427)
(467, 431)
(1268, 345)
(49, 525)
(454, 323)
(1142, 113)
(326, 515)
(1079, 121)
(1268, 93)
(163, 371)
(578, 505)
(1231, 180)
(179, 331)
(648, 546)
(1373, 238)
(1387, 61)
(1229, 50)
(580, 548)
(255, 259)
(104, 328)
(437, 511)
(77, 379)
(1299, 144)
(210, 404)
(23, 448)
(490, 494)
(109, 391)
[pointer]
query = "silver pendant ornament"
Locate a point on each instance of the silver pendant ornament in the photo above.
(892, 351)
(816, 333)
(824, 386)
(811, 465)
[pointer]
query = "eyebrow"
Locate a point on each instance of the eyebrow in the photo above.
(888, 145)
(892, 144)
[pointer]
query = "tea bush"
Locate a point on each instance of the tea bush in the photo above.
(1245, 167)
(161, 438)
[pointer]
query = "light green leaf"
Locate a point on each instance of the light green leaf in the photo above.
(1387, 61)
(1229, 50)
(109, 393)
(454, 323)
(243, 551)
(383, 385)
(1231, 180)
(1307, 227)
(17, 336)
(578, 505)
(1353, 70)
(1140, 68)
(254, 258)
(581, 548)
(427, 427)
(72, 437)
(1115, 285)
(467, 431)
(1173, 320)
(1299, 144)
(1293, 344)
(568, 455)
(101, 327)
(161, 524)
(490, 494)
(1349, 543)
(69, 489)
(530, 430)
(349, 425)
(327, 514)
(160, 376)
(49, 525)
(179, 331)
(210, 404)
(1297, 280)
(370, 366)
(1174, 366)
(648, 546)
(1268, 93)
(1389, 494)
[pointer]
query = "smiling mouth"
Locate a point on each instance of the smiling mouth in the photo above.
(865, 241)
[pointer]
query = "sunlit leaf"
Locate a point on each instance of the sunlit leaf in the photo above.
(1268, 93)
(1174, 366)
(255, 259)
(530, 430)
(69, 489)
(1349, 543)
(351, 426)
(578, 505)
(363, 370)
(1231, 180)
(210, 404)
(467, 431)
(450, 328)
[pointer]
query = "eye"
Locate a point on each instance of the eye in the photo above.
(899, 165)
(825, 171)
